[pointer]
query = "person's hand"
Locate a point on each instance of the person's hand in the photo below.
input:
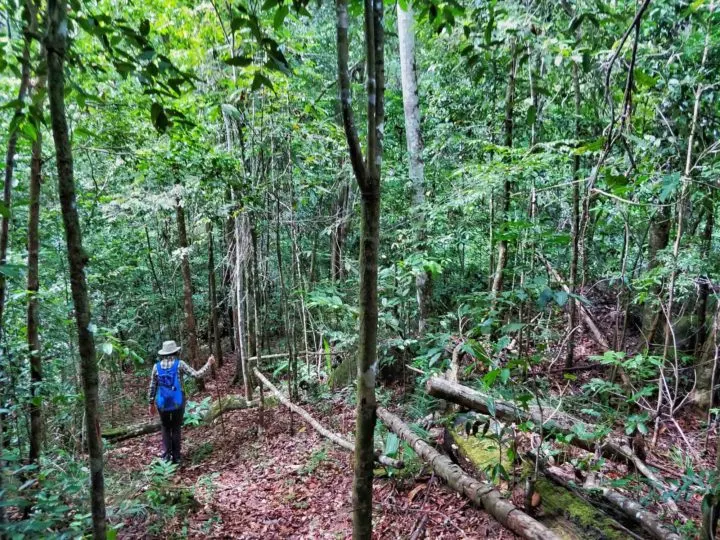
(211, 360)
(151, 409)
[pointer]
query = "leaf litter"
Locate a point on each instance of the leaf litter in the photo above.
(252, 482)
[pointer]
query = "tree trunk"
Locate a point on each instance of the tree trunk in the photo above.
(241, 365)
(256, 296)
(190, 327)
(341, 215)
(413, 137)
(704, 288)
(10, 169)
(367, 175)
(658, 239)
(33, 286)
(711, 510)
(214, 319)
(502, 253)
(575, 225)
(481, 494)
(56, 46)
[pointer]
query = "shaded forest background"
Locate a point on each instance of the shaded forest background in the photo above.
(548, 232)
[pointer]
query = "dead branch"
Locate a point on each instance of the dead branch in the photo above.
(334, 437)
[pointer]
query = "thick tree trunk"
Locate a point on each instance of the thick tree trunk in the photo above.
(10, 169)
(502, 253)
(706, 375)
(413, 137)
(711, 510)
(317, 426)
(658, 239)
(367, 174)
(190, 326)
(241, 364)
(56, 46)
(214, 318)
(481, 494)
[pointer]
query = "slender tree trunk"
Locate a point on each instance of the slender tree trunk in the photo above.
(33, 286)
(502, 253)
(250, 298)
(190, 326)
(241, 361)
(575, 226)
(214, 319)
(413, 137)
(367, 174)
(255, 291)
(10, 169)
(56, 46)
(341, 215)
(229, 313)
(704, 289)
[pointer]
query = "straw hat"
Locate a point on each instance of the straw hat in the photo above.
(168, 348)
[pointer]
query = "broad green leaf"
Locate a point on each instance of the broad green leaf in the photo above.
(280, 15)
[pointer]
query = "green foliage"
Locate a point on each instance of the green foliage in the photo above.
(195, 412)
(317, 458)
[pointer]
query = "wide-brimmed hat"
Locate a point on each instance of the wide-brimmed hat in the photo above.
(169, 347)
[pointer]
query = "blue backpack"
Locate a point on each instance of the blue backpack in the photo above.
(169, 396)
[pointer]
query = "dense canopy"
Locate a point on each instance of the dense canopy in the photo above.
(465, 232)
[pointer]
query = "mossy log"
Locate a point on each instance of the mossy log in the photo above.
(481, 494)
(559, 424)
(217, 407)
(334, 437)
(615, 501)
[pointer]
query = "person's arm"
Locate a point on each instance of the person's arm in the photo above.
(197, 373)
(152, 390)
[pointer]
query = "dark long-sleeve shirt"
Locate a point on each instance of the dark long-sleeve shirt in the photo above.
(183, 369)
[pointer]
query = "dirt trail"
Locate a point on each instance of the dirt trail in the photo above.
(254, 483)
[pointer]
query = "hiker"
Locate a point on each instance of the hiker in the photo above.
(166, 395)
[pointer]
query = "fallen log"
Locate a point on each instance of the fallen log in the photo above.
(629, 509)
(217, 407)
(481, 494)
(559, 424)
(334, 437)
(584, 313)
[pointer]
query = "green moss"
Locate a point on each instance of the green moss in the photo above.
(571, 516)
(481, 452)
(561, 510)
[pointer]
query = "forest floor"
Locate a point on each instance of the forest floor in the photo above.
(250, 482)
(253, 481)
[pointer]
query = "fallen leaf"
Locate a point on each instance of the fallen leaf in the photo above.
(417, 489)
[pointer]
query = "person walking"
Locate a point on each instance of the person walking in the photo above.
(167, 397)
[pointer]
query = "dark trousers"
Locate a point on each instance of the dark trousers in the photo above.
(171, 425)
